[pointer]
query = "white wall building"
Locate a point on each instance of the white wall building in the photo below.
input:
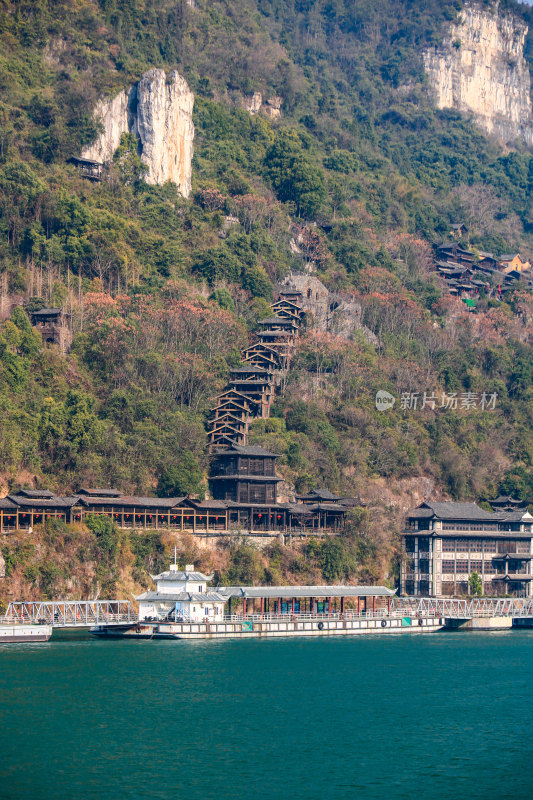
(182, 595)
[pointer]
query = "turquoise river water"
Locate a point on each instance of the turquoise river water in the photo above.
(434, 717)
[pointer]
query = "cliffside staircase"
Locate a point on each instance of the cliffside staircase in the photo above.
(252, 387)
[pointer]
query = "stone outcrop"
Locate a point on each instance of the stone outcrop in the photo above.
(480, 68)
(158, 111)
(115, 117)
(271, 107)
(327, 311)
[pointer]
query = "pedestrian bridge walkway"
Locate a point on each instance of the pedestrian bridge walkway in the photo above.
(70, 613)
(464, 609)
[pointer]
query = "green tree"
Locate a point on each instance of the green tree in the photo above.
(294, 176)
(475, 585)
(183, 477)
(128, 161)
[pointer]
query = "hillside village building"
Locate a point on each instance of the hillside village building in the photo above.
(443, 544)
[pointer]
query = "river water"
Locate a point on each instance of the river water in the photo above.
(435, 717)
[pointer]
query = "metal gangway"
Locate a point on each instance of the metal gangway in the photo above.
(463, 609)
(70, 613)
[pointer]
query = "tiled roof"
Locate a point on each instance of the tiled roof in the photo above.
(451, 510)
(124, 500)
(305, 591)
(180, 575)
(249, 450)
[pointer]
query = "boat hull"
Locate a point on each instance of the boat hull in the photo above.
(275, 628)
(19, 634)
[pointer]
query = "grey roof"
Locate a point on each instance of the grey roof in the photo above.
(125, 500)
(319, 494)
(250, 450)
(512, 557)
(45, 312)
(508, 256)
(451, 510)
(275, 320)
(243, 478)
(41, 493)
(327, 507)
(177, 575)
(100, 492)
(508, 499)
(195, 597)
(305, 591)
(47, 502)
(298, 509)
(5, 502)
(253, 370)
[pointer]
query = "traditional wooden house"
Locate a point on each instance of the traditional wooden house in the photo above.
(244, 475)
(51, 324)
(458, 231)
(256, 384)
(88, 169)
(259, 355)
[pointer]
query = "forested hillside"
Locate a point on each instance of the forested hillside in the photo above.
(163, 291)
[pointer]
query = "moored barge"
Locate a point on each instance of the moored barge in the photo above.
(10, 634)
(185, 607)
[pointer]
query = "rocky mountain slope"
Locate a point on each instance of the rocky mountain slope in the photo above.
(158, 112)
(164, 267)
(480, 68)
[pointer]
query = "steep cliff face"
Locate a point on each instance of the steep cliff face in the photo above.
(114, 116)
(480, 68)
(159, 112)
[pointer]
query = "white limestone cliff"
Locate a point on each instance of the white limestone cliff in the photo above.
(480, 68)
(158, 110)
(113, 115)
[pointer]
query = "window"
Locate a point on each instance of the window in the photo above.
(476, 546)
(507, 547)
(476, 566)
(423, 565)
(446, 588)
(523, 547)
(423, 543)
(257, 494)
(490, 546)
(461, 566)
(448, 566)
(448, 546)
(410, 544)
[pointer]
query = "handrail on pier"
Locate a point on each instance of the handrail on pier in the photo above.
(70, 613)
